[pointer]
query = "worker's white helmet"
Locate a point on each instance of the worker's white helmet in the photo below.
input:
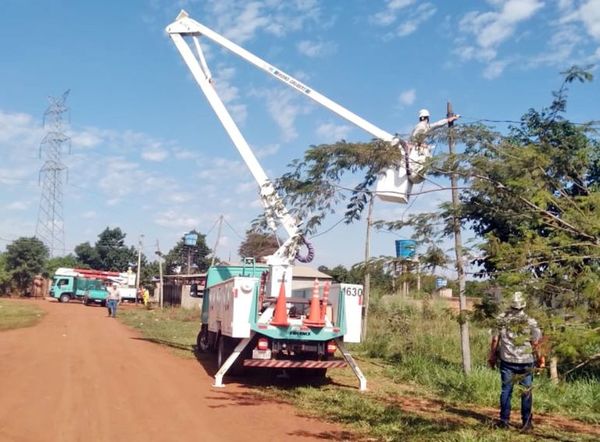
(518, 301)
(423, 113)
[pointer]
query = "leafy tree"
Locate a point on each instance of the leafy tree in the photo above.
(4, 276)
(88, 255)
(69, 261)
(25, 258)
(258, 244)
(109, 253)
(177, 258)
(535, 199)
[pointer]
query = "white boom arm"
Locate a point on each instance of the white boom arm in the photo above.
(184, 26)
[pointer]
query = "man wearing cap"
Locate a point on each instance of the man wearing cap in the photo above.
(112, 300)
(515, 341)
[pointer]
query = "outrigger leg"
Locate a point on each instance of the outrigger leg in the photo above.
(362, 380)
(229, 362)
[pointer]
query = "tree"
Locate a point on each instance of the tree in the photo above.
(69, 261)
(535, 198)
(258, 244)
(25, 258)
(109, 253)
(88, 255)
(4, 275)
(177, 258)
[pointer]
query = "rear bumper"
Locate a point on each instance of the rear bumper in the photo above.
(282, 363)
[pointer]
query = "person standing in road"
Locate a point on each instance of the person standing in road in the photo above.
(113, 300)
(515, 341)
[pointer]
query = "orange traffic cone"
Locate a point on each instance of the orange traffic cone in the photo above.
(280, 317)
(314, 317)
(326, 287)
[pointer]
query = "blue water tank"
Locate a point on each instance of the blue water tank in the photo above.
(190, 239)
(405, 248)
(440, 282)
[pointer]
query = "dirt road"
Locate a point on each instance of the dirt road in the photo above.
(81, 376)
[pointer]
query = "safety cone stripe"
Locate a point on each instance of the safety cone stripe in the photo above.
(275, 363)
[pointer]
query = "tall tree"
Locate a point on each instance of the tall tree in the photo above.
(25, 258)
(109, 252)
(535, 198)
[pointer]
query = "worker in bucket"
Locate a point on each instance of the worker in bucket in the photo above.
(515, 341)
(112, 300)
(416, 149)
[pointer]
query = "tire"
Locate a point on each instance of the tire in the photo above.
(65, 297)
(202, 341)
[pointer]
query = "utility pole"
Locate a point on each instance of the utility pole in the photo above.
(212, 261)
(160, 273)
(367, 282)
(460, 270)
(139, 264)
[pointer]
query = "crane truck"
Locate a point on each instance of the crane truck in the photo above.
(251, 316)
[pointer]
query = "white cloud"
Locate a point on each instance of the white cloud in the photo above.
(312, 48)
(155, 155)
(241, 21)
(389, 15)
(268, 150)
(415, 18)
(176, 219)
(230, 94)
(89, 214)
(494, 69)
(17, 205)
(85, 139)
(589, 14)
(490, 29)
(330, 132)
(407, 97)
(284, 106)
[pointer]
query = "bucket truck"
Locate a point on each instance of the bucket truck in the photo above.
(251, 316)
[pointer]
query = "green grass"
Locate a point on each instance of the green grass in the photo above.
(416, 388)
(420, 345)
(18, 314)
(173, 327)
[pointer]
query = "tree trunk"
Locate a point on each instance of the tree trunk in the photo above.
(554, 369)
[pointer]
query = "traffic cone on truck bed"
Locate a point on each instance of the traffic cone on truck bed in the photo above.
(280, 318)
(314, 316)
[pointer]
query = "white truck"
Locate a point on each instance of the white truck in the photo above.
(250, 315)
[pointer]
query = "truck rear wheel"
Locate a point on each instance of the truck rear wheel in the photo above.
(64, 297)
(202, 341)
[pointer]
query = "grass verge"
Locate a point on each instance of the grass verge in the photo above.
(416, 389)
(18, 314)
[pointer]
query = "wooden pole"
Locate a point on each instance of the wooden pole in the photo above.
(464, 324)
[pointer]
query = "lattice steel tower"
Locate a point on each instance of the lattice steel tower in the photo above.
(50, 225)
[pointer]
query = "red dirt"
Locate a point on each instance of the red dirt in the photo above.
(81, 376)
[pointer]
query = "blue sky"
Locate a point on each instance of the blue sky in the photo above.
(148, 154)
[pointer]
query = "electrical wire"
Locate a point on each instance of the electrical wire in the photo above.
(232, 229)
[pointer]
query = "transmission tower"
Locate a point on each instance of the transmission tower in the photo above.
(50, 225)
